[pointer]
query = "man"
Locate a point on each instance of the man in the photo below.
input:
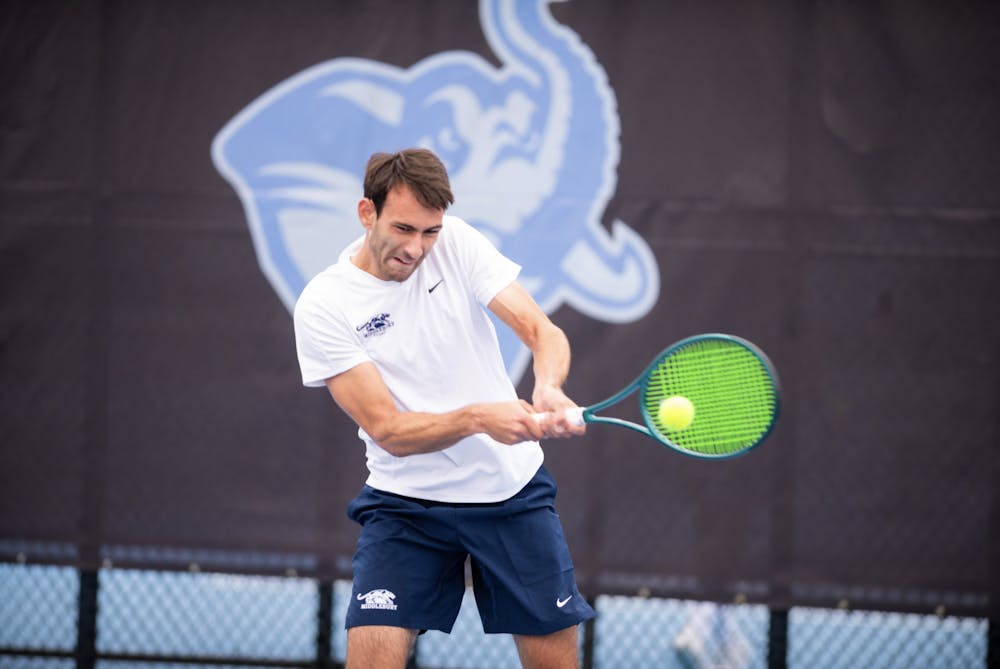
(398, 333)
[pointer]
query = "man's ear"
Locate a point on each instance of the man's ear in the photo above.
(366, 213)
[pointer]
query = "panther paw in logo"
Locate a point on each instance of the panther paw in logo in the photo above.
(378, 599)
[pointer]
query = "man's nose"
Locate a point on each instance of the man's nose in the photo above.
(414, 246)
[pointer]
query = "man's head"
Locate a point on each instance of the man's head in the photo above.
(406, 195)
(418, 169)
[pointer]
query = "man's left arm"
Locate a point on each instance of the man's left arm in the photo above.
(551, 355)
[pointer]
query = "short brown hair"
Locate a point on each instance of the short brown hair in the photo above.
(419, 169)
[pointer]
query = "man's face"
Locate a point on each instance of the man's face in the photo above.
(399, 239)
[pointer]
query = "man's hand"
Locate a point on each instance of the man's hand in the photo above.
(509, 422)
(553, 402)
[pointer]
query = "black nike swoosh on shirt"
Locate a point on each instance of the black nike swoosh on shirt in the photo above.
(431, 289)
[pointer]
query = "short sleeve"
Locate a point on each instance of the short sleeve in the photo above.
(324, 342)
(488, 270)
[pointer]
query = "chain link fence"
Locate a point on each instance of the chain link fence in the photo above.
(154, 620)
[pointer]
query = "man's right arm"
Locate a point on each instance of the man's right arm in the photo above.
(362, 394)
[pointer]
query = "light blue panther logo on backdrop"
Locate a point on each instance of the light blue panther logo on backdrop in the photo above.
(532, 149)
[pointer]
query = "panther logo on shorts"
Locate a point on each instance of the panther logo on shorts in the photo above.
(378, 599)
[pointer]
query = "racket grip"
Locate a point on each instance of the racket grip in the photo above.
(574, 416)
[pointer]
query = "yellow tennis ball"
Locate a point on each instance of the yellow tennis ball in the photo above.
(676, 412)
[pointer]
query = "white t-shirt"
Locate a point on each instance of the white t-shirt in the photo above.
(434, 345)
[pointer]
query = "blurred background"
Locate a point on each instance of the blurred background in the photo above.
(822, 178)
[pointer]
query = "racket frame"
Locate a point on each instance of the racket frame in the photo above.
(589, 413)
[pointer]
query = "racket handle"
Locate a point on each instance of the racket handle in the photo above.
(574, 416)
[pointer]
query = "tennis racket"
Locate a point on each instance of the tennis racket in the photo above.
(730, 383)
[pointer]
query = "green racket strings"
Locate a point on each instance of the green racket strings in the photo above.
(734, 397)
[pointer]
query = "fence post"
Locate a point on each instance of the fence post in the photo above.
(86, 620)
(993, 643)
(777, 639)
(588, 638)
(324, 625)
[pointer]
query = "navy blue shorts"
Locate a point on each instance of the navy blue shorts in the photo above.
(409, 568)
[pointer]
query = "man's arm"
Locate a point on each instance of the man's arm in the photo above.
(551, 355)
(362, 394)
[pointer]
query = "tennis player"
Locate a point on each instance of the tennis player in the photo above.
(397, 330)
